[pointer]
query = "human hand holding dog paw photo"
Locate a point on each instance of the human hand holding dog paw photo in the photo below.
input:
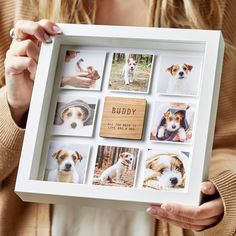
(194, 218)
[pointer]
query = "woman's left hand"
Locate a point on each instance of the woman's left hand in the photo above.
(193, 218)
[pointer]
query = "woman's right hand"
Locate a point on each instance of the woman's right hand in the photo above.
(21, 63)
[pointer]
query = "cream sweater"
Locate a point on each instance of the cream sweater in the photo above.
(18, 218)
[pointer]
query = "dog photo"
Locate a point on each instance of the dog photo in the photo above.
(67, 162)
(179, 75)
(173, 122)
(115, 166)
(165, 170)
(75, 115)
(83, 69)
(131, 72)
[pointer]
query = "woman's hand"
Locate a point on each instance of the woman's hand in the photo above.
(193, 218)
(78, 80)
(21, 62)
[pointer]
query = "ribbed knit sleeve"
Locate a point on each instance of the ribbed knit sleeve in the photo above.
(11, 138)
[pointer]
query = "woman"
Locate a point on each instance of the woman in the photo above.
(215, 217)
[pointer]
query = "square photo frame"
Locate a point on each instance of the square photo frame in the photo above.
(50, 135)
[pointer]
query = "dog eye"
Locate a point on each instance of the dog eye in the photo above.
(184, 68)
(62, 157)
(162, 170)
(74, 157)
(69, 114)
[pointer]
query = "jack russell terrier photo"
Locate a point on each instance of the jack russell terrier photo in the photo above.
(178, 81)
(115, 172)
(173, 123)
(74, 115)
(129, 70)
(66, 160)
(165, 170)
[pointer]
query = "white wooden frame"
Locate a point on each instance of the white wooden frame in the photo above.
(209, 43)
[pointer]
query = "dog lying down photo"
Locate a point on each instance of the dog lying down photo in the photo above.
(165, 170)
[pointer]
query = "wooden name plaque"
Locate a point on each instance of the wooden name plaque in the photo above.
(123, 118)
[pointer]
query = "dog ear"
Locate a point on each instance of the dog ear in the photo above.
(169, 69)
(55, 155)
(166, 114)
(190, 67)
(80, 158)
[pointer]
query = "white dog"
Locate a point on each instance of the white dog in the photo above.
(172, 124)
(67, 161)
(178, 83)
(74, 117)
(115, 172)
(128, 70)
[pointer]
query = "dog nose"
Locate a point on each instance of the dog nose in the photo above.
(73, 125)
(181, 73)
(68, 166)
(173, 126)
(174, 180)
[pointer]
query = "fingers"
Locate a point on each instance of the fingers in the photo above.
(195, 218)
(208, 188)
(24, 48)
(40, 30)
(206, 210)
(15, 65)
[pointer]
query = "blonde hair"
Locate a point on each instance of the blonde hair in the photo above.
(198, 14)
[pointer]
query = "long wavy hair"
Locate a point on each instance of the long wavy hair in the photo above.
(200, 14)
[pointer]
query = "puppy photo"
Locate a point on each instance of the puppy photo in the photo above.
(165, 170)
(66, 162)
(115, 166)
(83, 69)
(74, 115)
(179, 74)
(131, 72)
(173, 122)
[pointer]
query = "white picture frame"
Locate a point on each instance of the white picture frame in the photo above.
(204, 44)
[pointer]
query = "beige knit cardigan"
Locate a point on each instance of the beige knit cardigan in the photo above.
(20, 219)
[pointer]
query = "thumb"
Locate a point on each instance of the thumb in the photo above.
(208, 188)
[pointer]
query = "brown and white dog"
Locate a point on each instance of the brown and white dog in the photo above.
(67, 161)
(92, 73)
(178, 83)
(114, 173)
(172, 124)
(128, 70)
(168, 171)
(74, 117)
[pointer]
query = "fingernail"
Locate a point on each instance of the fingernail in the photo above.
(47, 38)
(151, 211)
(167, 208)
(56, 29)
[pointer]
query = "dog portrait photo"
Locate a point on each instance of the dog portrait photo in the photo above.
(83, 69)
(67, 162)
(115, 166)
(165, 170)
(179, 75)
(131, 72)
(75, 115)
(173, 122)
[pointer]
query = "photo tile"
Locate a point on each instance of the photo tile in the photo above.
(75, 116)
(131, 72)
(67, 162)
(116, 166)
(165, 170)
(179, 75)
(173, 122)
(83, 69)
